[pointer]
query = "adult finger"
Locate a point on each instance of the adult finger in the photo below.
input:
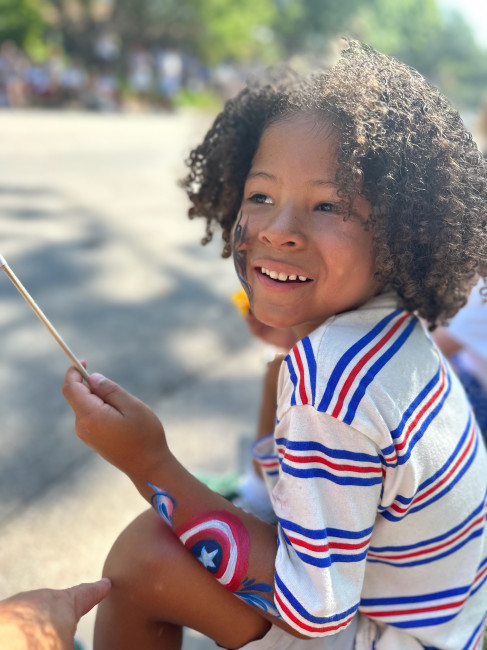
(88, 594)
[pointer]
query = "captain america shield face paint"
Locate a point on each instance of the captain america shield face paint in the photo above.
(220, 541)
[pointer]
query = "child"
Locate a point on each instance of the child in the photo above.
(355, 206)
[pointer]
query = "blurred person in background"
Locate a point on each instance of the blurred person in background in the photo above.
(141, 72)
(170, 68)
(464, 343)
(13, 70)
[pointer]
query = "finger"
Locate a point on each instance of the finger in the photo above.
(110, 392)
(88, 594)
(279, 358)
(75, 390)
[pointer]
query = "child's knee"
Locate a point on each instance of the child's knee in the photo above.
(144, 558)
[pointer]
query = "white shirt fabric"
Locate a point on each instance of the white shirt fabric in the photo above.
(378, 477)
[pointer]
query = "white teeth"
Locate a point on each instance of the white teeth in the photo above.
(283, 277)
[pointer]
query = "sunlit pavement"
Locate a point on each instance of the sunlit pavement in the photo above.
(93, 223)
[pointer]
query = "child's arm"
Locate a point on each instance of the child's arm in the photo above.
(267, 413)
(446, 342)
(268, 404)
(128, 434)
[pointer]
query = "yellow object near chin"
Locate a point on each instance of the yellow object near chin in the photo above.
(241, 302)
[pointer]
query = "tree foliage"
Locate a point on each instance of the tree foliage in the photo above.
(308, 25)
(236, 30)
(21, 21)
(441, 46)
(248, 30)
(76, 25)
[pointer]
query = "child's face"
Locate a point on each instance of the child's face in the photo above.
(288, 229)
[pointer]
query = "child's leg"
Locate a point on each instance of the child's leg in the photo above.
(158, 586)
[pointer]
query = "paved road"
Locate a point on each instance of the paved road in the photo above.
(93, 223)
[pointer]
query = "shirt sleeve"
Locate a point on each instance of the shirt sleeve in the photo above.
(326, 499)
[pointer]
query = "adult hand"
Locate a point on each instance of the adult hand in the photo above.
(46, 619)
(118, 426)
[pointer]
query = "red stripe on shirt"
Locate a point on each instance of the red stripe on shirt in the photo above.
(304, 626)
(431, 549)
(302, 388)
(420, 414)
(443, 480)
(323, 461)
(328, 547)
(362, 362)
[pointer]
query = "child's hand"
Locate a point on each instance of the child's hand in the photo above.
(115, 424)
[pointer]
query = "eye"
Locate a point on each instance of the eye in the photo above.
(260, 198)
(325, 207)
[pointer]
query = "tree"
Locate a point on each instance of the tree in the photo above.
(76, 25)
(22, 22)
(440, 46)
(238, 31)
(213, 30)
(308, 25)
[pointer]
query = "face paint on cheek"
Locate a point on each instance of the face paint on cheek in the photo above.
(239, 240)
(220, 541)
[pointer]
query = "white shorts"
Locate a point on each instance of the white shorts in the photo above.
(277, 639)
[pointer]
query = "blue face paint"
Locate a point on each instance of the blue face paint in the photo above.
(163, 503)
(259, 595)
(239, 241)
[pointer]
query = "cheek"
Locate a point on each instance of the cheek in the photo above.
(353, 252)
(366, 262)
(245, 231)
(369, 251)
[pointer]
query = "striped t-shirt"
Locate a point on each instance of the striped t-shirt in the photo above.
(378, 477)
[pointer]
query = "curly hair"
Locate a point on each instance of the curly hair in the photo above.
(402, 145)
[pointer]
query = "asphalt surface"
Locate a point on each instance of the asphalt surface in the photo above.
(93, 223)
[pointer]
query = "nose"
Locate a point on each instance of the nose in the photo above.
(283, 230)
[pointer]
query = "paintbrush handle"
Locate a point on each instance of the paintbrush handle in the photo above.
(42, 317)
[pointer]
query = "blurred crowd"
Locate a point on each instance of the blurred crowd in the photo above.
(149, 78)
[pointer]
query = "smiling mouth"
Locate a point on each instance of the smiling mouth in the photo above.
(284, 277)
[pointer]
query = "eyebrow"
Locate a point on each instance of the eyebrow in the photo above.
(271, 177)
(259, 174)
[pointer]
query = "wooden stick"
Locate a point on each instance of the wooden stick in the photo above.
(40, 314)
